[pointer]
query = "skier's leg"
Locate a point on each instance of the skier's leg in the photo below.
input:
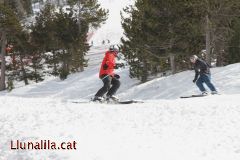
(207, 80)
(115, 85)
(199, 84)
(105, 88)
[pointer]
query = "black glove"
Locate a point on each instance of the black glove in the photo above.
(194, 80)
(105, 66)
(116, 76)
(119, 65)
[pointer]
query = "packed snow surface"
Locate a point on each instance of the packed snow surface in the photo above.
(163, 127)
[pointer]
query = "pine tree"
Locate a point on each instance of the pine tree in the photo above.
(157, 33)
(234, 44)
(219, 15)
(160, 35)
(88, 12)
(64, 36)
(11, 13)
(9, 26)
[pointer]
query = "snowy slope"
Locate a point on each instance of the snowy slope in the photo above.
(200, 129)
(164, 127)
(227, 80)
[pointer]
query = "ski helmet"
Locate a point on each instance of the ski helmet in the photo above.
(193, 57)
(114, 48)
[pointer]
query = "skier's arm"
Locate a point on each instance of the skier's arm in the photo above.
(118, 65)
(196, 76)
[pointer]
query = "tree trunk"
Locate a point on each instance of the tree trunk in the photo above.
(172, 63)
(35, 73)
(24, 72)
(144, 76)
(20, 9)
(219, 53)
(82, 64)
(30, 9)
(208, 41)
(171, 55)
(55, 70)
(3, 62)
(79, 28)
(79, 15)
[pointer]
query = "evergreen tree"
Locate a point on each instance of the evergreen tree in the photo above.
(9, 26)
(219, 15)
(88, 12)
(157, 32)
(11, 13)
(234, 44)
(160, 35)
(61, 34)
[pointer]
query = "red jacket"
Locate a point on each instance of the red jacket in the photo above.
(108, 60)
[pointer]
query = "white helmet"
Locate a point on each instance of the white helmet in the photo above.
(194, 57)
(114, 48)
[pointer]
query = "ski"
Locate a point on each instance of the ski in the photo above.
(128, 102)
(199, 95)
(194, 96)
(112, 102)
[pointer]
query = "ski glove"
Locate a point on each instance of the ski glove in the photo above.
(105, 66)
(119, 65)
(116, 76)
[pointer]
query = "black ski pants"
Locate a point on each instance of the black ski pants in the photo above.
(110, 86)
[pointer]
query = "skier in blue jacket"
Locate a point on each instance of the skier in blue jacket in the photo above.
(202, 75)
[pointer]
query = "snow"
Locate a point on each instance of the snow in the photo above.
(163, 127)
(112, 29)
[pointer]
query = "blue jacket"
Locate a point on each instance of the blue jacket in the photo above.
(201, 67)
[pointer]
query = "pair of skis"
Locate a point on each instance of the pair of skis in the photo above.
(111, 102)
(133, 101)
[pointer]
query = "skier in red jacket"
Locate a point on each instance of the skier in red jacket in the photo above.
(110, 79)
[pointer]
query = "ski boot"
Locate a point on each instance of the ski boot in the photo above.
(214, 92)
(98, 99)
(112, 98)
(204, 93)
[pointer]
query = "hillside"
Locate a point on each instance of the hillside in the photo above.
(172, 87)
